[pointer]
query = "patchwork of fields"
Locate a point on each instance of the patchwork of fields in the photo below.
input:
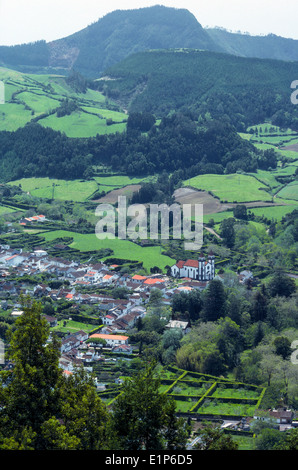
(30, 97)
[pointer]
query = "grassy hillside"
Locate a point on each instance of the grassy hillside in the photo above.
(52, 102)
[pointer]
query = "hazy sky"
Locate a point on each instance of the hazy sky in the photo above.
(22, 21)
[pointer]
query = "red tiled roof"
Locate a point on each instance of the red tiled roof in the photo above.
(137, 277)
(192, 263)
(153, 281)
(180, 264)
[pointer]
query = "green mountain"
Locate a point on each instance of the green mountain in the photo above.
(246, 90)
(112, 38)
(124, 32)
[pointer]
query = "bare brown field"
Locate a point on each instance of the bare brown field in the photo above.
(112, 196)
(293, 148)
(211, 204)
(192, 196)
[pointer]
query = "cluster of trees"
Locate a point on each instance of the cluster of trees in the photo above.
(66, 107)
(42, 409)
(235, 329)
(179, 145)
(270, 246)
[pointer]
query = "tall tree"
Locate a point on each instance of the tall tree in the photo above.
(143, 418)
(214, 301)
(38, 403)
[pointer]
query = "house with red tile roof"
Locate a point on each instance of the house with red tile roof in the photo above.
(201, 269)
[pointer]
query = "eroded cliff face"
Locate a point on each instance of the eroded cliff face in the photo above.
(62, 54)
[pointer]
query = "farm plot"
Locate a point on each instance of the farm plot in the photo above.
(80, 124)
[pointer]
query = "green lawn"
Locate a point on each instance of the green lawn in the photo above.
(231, 188)
(123, 249)
(73, 326)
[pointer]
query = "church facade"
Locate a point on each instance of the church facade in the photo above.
(201, 269)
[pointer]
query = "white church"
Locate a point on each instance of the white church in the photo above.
(199, 270)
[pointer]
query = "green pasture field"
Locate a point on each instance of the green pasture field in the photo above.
(74, 190)
(267, 177)
(13, 116)
(107, 113)
(275, 212)
(245, 136)
(7, 210)
(38, 101)
(79, 124)
(231, 188)
(235, 393)
(218, 216)
(123, 249)
(226, 408)
(290, 191)
(184, 406)
(282, 152)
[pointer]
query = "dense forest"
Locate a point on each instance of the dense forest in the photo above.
(178, 144)
(247, 91)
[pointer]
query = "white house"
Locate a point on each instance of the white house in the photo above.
(112, 340)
